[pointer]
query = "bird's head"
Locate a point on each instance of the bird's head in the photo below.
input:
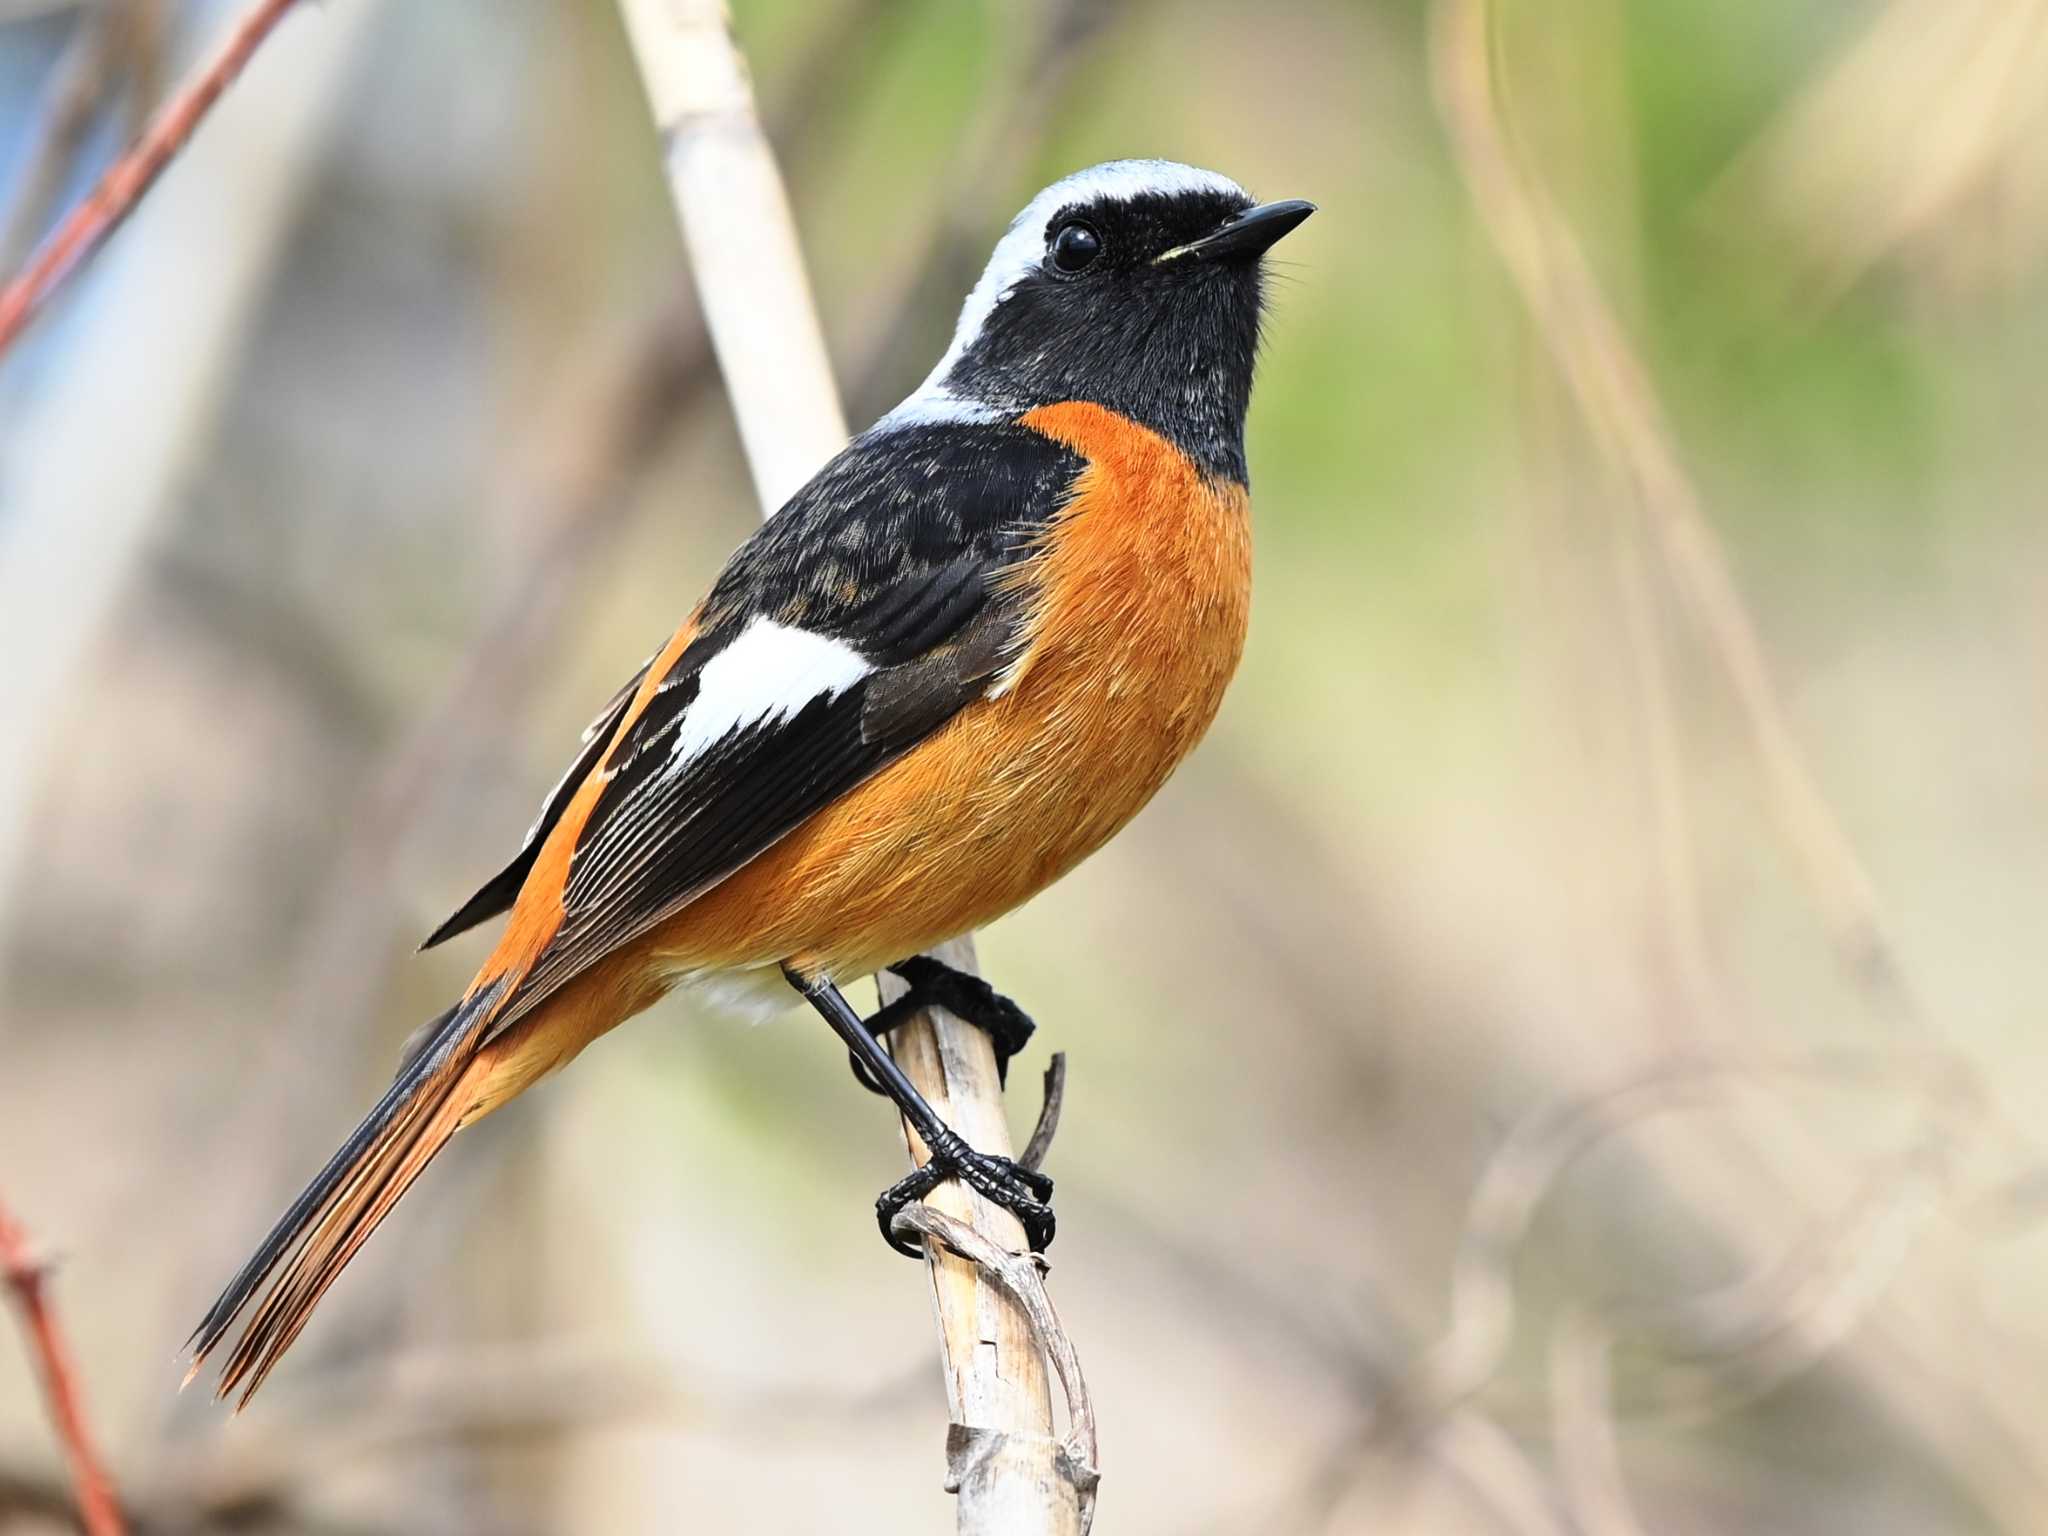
(1135, 285)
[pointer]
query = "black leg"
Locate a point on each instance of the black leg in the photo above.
(933, 983)
(1022, 1191)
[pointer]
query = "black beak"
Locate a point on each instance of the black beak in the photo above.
(1249, 234)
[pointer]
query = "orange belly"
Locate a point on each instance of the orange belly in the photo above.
(1142, 590)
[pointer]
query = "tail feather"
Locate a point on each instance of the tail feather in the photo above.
(334, 1216)
(347, 1226)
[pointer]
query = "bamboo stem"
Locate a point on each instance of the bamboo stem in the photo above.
(742, 242)
(1012, 1476)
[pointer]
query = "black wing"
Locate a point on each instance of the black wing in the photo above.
(866, 613)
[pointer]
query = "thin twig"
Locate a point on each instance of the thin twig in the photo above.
(102, 209)
(1033, 1155)
(26, 1277)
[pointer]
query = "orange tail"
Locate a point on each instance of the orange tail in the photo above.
(335, 1215)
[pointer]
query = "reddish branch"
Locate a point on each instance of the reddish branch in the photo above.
(88, 224)
(25, 1276)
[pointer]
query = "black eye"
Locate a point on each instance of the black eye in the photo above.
(1074, 248)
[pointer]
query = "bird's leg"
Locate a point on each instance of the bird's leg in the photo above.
(1024, 1192)
(935, 984)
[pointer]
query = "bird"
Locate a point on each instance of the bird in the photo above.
(949, 668)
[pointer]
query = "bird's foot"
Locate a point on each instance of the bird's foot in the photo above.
(935, 984)
(1024, 1192)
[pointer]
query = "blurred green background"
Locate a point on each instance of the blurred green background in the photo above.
(1498, 1101)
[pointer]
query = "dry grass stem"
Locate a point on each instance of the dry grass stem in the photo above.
(1994, 1448)
(1615, 396)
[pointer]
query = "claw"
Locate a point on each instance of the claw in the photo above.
(905, 1192)
(1023, 1192)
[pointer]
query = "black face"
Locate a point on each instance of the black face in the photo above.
(1147, 304)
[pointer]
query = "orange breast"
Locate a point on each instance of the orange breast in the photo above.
(1141, 591)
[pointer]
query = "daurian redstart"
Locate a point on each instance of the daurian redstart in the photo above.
(950, 668)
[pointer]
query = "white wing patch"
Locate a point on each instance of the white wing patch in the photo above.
(1019, 253)
(769, 673)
